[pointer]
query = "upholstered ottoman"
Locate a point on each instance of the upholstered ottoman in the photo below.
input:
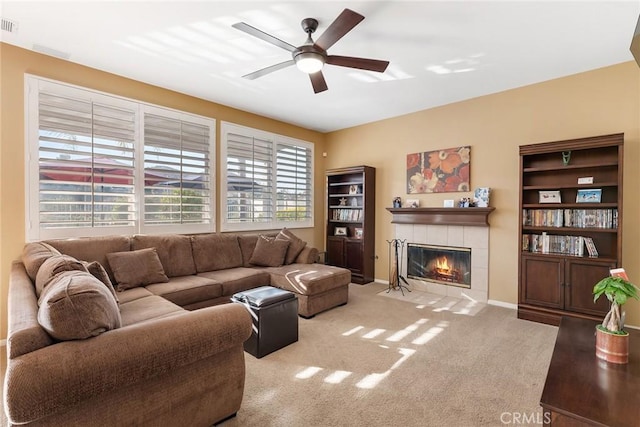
(275, 319)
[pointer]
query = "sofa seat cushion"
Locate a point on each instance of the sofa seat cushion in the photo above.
(75, 306)
(216, 252)
(132, 294)
(147, 308)
(174, 251)
(186, 290)
(238, 279)
(309, 279)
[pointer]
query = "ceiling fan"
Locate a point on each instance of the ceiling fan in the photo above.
(311, 56)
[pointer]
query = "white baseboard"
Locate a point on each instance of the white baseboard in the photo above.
(384, 282)
(503, 304)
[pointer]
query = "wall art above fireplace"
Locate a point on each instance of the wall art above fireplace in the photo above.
(439, 171)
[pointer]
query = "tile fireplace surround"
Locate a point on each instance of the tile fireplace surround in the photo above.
(446, 229)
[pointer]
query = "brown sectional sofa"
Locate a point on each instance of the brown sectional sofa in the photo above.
(177, 356)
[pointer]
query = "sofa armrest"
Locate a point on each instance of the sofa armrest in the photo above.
(59, 376)
(309, 255)
(24, 332)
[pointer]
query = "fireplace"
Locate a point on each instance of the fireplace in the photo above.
(446, 265)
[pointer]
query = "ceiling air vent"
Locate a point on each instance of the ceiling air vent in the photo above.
(8, 25)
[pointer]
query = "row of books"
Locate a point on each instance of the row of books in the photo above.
(553, 244)
(576, 218)
(346, 215)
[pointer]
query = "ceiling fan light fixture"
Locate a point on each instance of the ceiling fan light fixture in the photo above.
(309, 62)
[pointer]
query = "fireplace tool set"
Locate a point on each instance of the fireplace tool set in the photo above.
(396, 253)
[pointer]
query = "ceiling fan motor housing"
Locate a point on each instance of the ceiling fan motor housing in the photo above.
(309, 25)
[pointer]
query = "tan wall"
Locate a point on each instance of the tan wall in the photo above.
(597, 102)
(15, 62)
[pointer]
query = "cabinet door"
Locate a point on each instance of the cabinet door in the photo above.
(581, 276)
(353, 256)
(335, 251)
(542, 279)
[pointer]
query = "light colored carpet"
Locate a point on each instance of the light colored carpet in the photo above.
(383, 360)
(387, 360)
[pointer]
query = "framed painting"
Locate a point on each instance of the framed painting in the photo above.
(439, 171)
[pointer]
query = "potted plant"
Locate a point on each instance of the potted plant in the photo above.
(612, 341)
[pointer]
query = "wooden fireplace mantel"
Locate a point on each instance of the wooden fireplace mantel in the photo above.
(442, 216)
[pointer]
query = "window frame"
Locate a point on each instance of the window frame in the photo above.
(33, 232)
(274, 139)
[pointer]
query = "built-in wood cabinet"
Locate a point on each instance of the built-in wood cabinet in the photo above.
(570, 203)
(350, 231)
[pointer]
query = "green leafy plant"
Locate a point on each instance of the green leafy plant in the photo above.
(618, 291)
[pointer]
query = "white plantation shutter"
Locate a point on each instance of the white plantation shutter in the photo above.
(293, 182)
(249, 179)
(268, 180)
(101, 164)
(85, 163)
(177, 171)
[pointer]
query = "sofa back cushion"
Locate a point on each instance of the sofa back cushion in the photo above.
(75, 305)
(93, 248)
(137, 268)
(212, 252)
(174, 251)
(34, 254)
(53, 266)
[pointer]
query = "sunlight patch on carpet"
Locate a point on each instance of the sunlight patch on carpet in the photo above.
(437, 303)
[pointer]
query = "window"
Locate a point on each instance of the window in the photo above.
(268, 180)
(176, 171)
(100, 164)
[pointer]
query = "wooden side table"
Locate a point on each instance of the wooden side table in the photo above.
(582, 390)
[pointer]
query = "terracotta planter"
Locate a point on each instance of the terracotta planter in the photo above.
(612, 347)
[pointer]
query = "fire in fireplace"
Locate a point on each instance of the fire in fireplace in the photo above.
(441, 264)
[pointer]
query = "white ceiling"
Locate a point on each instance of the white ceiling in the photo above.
(440, 52)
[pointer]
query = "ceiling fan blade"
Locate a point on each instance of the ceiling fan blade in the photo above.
(263, 36)
(338, 28)
(360, 63)
(318, 82)
(270, 69)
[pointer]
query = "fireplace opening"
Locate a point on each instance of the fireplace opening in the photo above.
(441, 264)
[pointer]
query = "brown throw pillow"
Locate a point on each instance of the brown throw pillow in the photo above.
(269, 252)
(75, 306)
(34, 254)
(97, 270)
(136, 268)
(296, 245)
(53, 266)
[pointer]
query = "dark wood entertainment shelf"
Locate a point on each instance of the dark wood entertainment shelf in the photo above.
(442, 216)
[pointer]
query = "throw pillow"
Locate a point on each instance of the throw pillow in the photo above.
(75, 306)
(136, 268)
(97, 270)
(34, 254)
(269, 252)
(53, 266)
(296, 245)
